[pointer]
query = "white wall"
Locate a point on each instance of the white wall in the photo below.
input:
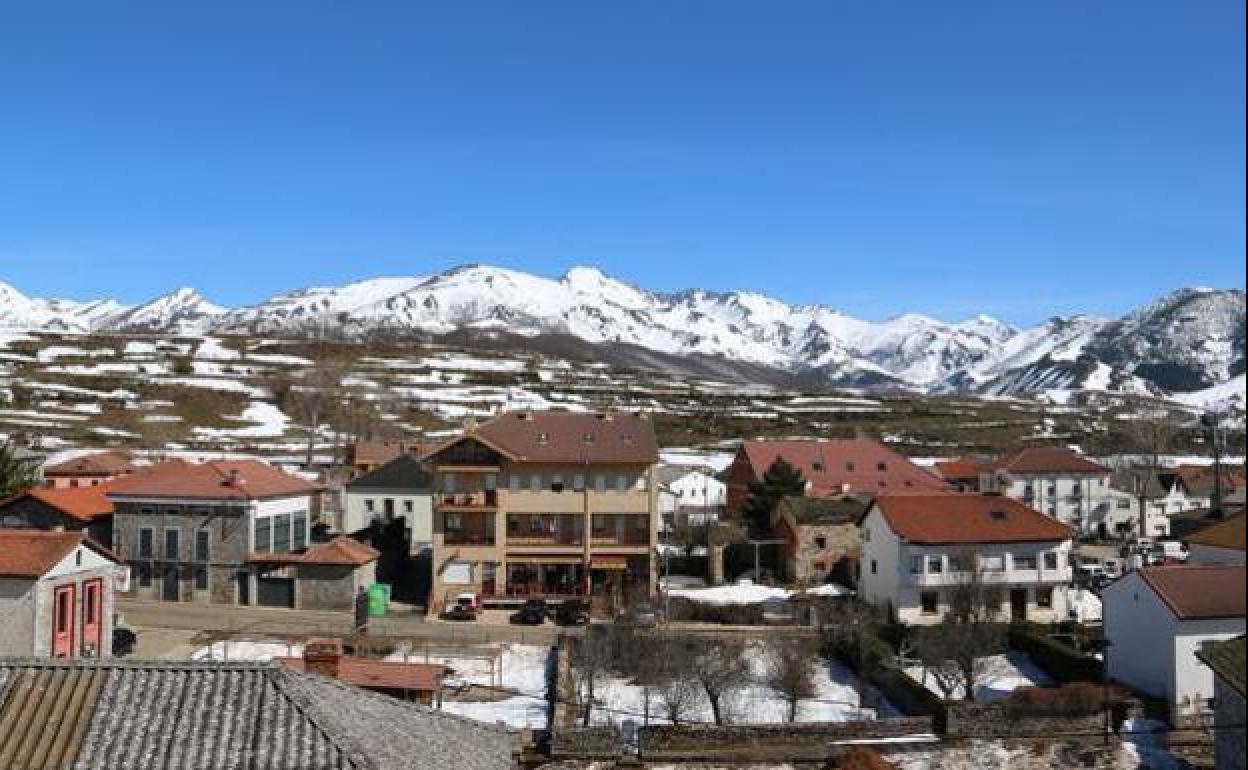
(356, 515)
(880, 547)
(17, 609)
(1193, 680)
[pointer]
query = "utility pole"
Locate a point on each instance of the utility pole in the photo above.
(756, 544)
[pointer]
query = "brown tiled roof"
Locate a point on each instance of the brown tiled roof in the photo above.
(825, 510)
(1047, 460)
(111, 463)
(570, 437)
(968, 519)
(1227, 533)
(32, 552)
(961, 468)
(375, 674)
(1199, 479)
(867, 467)
(82, 503)
(1226, 658)
(375, 452)
(342, 550)
(1198, 592)
(214, 480)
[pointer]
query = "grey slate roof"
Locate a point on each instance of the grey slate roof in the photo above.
(97, 715)
(403, 472)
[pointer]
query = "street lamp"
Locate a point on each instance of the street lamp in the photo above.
(1211, 421)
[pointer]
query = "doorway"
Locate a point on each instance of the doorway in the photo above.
(1018, 604)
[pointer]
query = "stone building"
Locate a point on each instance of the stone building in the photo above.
(821, 539)
(86, 509)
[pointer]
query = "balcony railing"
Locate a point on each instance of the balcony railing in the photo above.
(482, 500)
(545, 538)
(468, 537)
(1015, 575)
(631, 537)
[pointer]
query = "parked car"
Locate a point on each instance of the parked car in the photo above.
(463, 607)
(572, 612)
(532, 613)
(1167, 551)
(640, 616)
(1113, 569)
(123, 642)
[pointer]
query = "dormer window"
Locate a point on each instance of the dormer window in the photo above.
(817, 466)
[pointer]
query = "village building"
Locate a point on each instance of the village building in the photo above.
(418, 682)
(830, 467)
(821, 538)
(918, 551)
(1226, 661)
(89, 470)
(962, 473)
(1219, 542)
(86, 509)
(1155, 620)
(115, 715)
(401, 489)
(689, 494)
(367, 456)
(231, 532)
(56, 595)
(546, 505)
(1057, 482)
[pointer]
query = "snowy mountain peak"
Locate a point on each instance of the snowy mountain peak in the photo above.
(183, 311)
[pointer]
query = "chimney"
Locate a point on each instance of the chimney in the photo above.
(470, 425)
(321, 656)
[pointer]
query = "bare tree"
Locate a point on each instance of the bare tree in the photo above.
(790, 669)
(851, 627)
(1151, 431)
(678, 692)
(591, 661)
(721, 669)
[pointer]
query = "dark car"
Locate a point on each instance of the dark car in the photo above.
(573, 612)
(123, 641)
(533, 613)
(463, 608)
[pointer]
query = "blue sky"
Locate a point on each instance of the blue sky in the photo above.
(1020, 159)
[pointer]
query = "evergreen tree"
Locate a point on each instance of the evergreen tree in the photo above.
(779, 481)
(15, 474)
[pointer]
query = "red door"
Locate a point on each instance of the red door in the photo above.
(63, 621)
(92, 605)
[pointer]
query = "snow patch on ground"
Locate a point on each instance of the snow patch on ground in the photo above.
(742, 592)
(244, 650)
(1003, 675)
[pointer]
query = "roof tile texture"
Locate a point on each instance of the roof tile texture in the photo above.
(215, 480)
(968, 519)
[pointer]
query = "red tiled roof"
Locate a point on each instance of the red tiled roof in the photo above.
(32, 552)
(1199, 479)
(961, 468)
(395, 675)
(968, 519)
(214, 480)
(111, 463)
(570, 437)
(375, 452)
(1047, 460)
(1228, 533)
(828, 465)
(1198, 592)
(82, 503)
(342, 550)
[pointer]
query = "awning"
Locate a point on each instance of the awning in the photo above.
(531, 559)
(608, 562)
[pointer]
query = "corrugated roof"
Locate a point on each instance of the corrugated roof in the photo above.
(569, 437)
(82, 503)
(115, 715)
(866, 467)
(1226, 658)
(405, 472)
(214, 480)
(1227, 533)
(1047, 460)
(387, 674)
(1198, 592)
(968, 519)
(30, 553)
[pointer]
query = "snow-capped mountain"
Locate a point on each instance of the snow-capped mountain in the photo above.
(1189, 340)
(183, 311)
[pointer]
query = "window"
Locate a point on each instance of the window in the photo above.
(578, 482)
(1044, 597)
(145, 576)
(300, 530)
(145, 543)
(916, 565)
(600, 483)
(201, 578)
(171, 544)
(621, 482)
(535, 482)
(202, 538)
(1050, 560)
(453, 521)
(957, 564)
(370, 506)
(1025, 562)
(448, 483)
(817, 466)
(513, 483)
(992, 563)
(264, 535)
(935, 564)
(491, 482)
(930, 602)
(407, 506)
(874, 567)
(821, 542)
(556, 483)
(1123, 503)
(881, 466)
(849, 466)
(281, 533)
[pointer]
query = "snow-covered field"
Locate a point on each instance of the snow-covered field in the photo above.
(245, 650)
(1002, 675)
(748, 592)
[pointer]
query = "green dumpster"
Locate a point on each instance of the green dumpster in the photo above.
(378, 599)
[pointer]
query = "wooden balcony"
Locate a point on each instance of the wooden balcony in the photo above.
(468, 502)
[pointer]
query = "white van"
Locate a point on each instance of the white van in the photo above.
(1167, 550)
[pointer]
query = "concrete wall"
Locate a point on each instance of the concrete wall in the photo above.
(329, 587)
(17, 608)
(1193, 680)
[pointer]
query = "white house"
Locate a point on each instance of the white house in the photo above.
(56, 594)
(918, 550)
(691, 493)
(1218, 543)
(1055, 481)
(1155, 620)
(400, 489)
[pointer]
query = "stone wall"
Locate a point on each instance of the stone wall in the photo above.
(994, 720)
(325, 587)
(228, 544)
(17, 608)
(587, 743)
(800, 742)
(45, 606)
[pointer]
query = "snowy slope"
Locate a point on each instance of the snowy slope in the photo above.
(18, 311)
(182, 311)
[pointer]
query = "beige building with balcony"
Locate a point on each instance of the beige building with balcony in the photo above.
(550, 505)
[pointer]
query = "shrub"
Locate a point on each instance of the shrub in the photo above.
(1062, 662)
(1069, 700)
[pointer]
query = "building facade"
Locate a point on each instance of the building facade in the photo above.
(690, 494)
(85, 509)
(546, 505)
(56, 595)
(821, 538)
(88, 470)
(401, 489)
(1056, 482)
(1226, 660)
(922, 553)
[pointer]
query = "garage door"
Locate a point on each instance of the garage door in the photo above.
(275, 592)
(457, 573)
